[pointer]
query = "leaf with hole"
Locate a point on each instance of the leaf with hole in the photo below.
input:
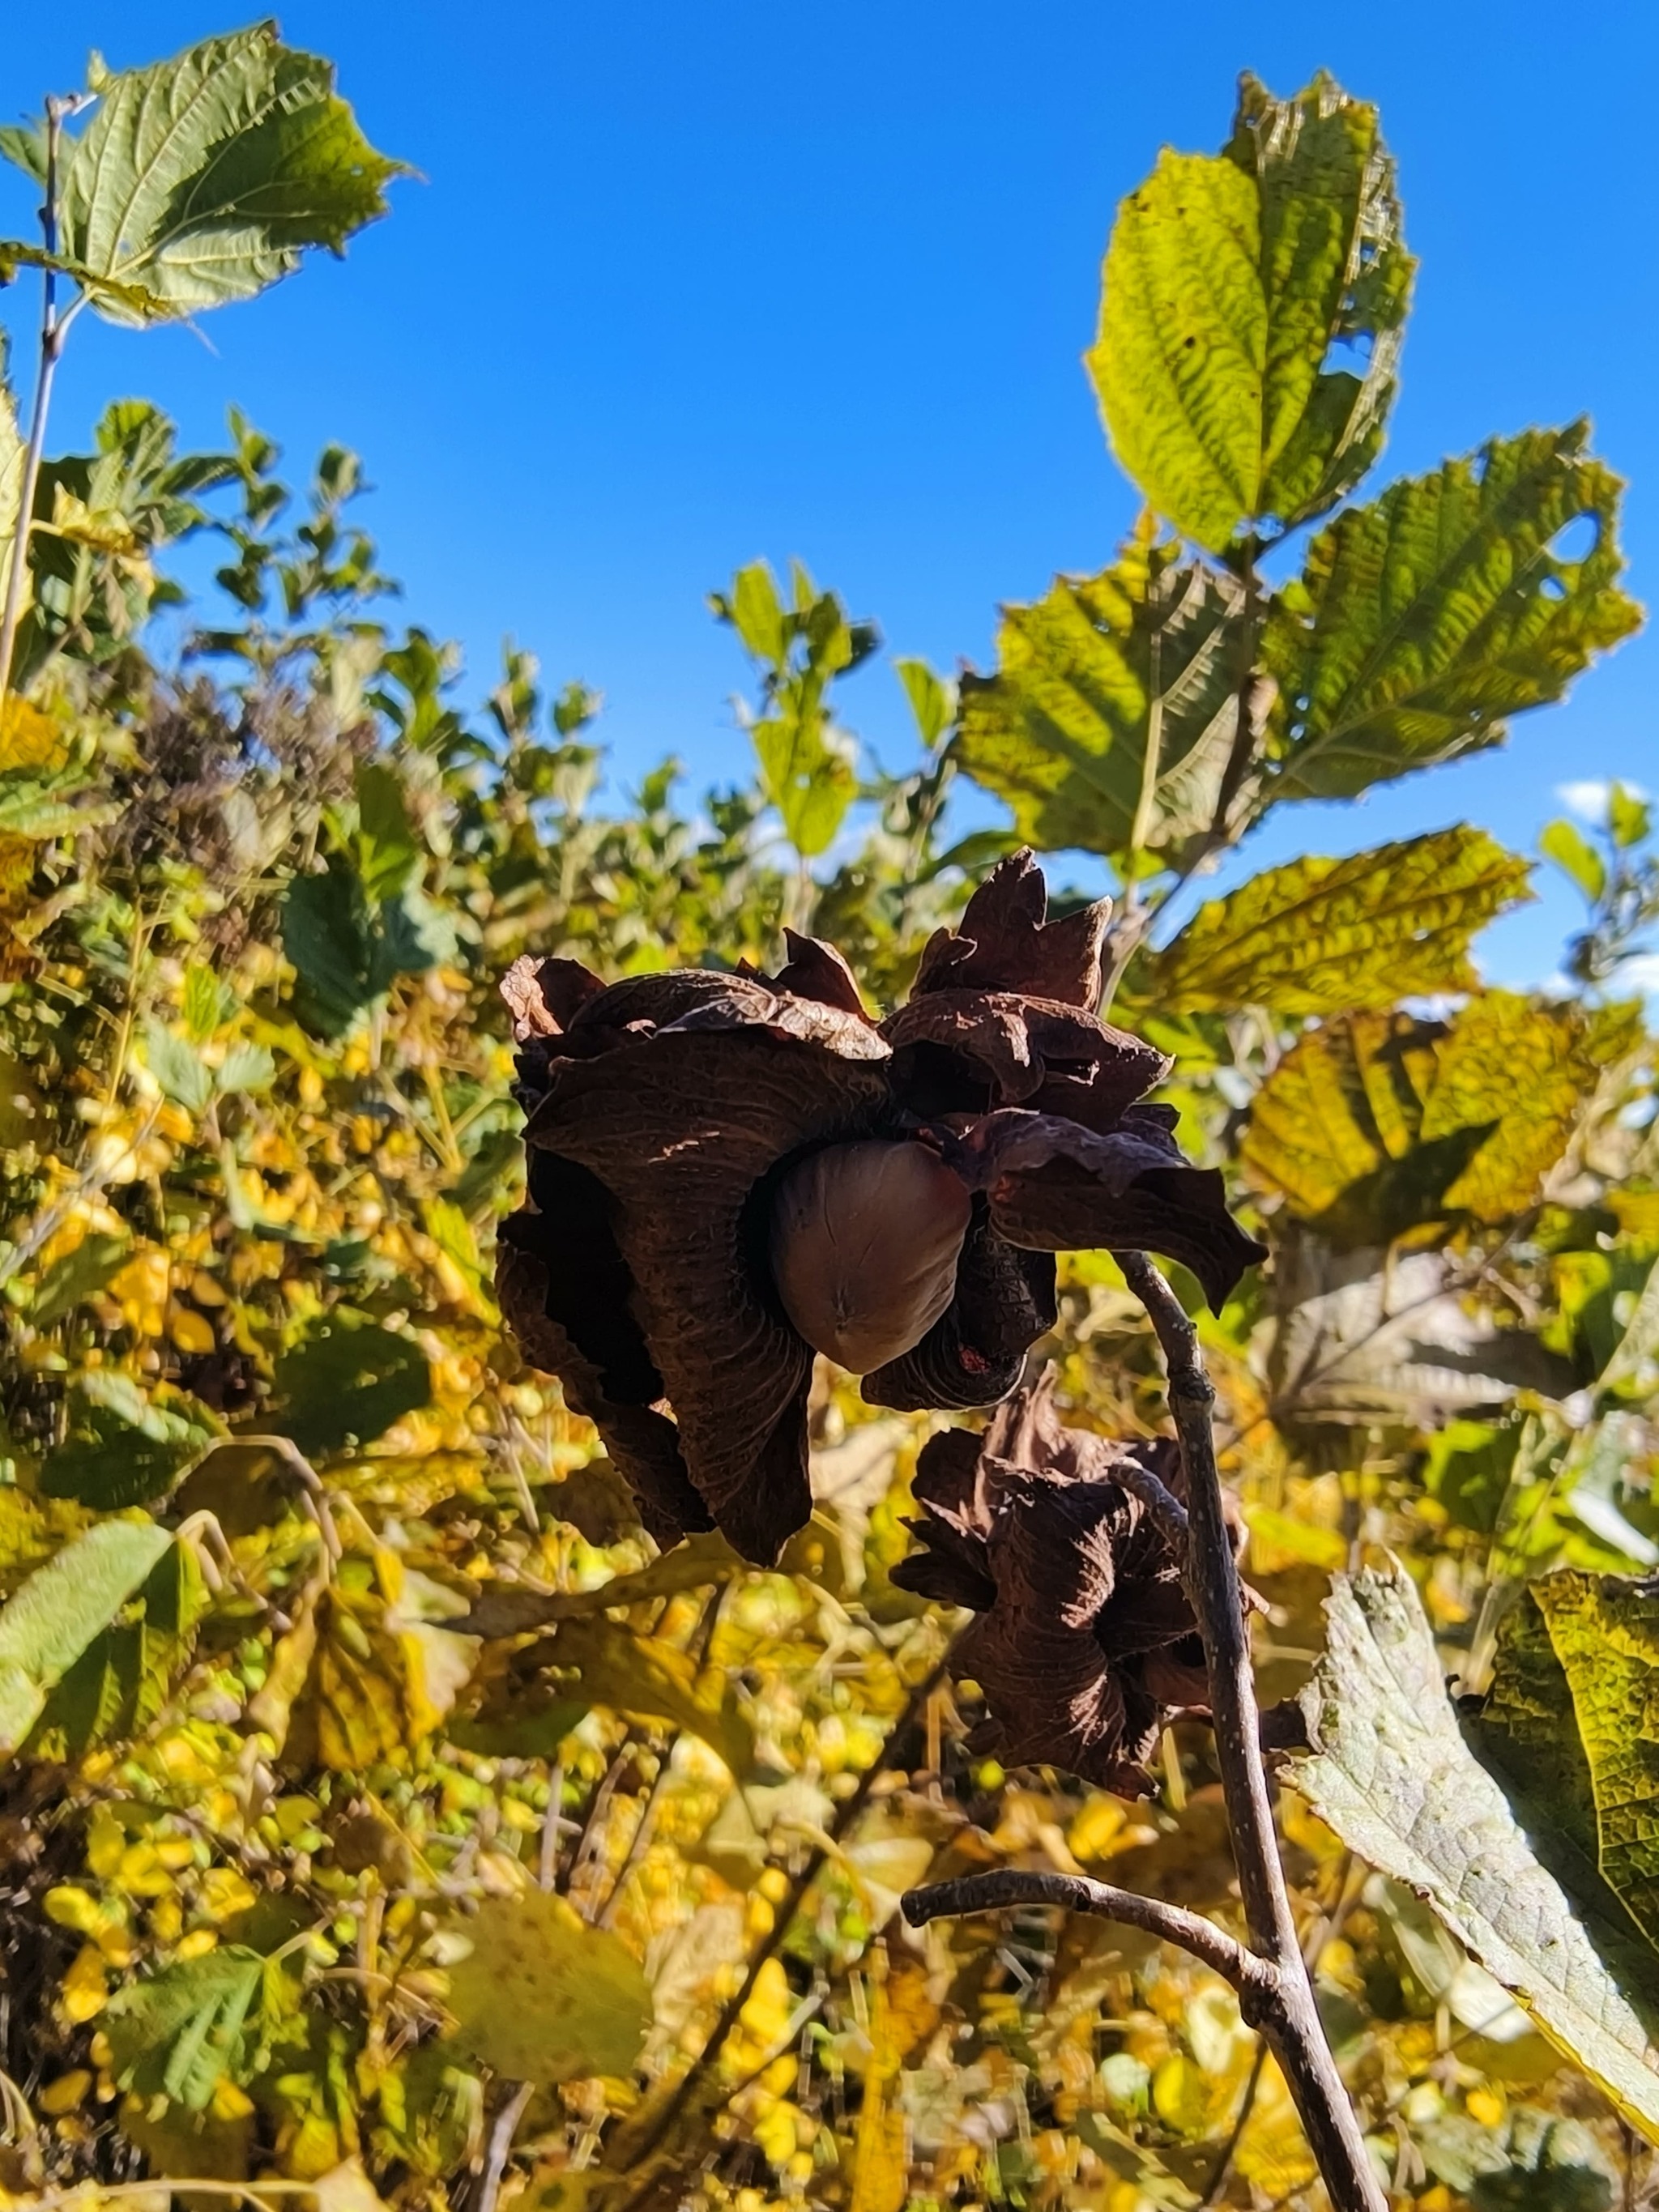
(1423, 621)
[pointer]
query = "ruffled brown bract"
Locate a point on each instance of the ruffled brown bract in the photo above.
(1086, 1644)
(662, 1110)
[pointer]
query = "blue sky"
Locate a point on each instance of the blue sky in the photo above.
(682, 286)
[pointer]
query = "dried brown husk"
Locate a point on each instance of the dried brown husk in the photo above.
(1086, 1646)
(663, 1112)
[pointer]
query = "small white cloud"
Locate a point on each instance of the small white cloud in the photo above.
(1639, 972)
(1589, 797)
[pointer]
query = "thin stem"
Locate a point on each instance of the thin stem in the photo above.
(52, 340)
(1291, 2021)
(639, 2152)
(1219, 2171)
(1189, 1931)
(500, 2144)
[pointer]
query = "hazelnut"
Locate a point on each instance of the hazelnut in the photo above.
(864, 1243)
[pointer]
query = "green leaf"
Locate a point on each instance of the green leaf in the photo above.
(388, 852)
(1604, 1630)
(1424, 620)
(50, 1620)
(78, 1276)
(179, 1067)
(1230, 283)
(1630, 818)
(1566, 843)
(345, 1384)
(756, 612)
(24, 145)
(124, 1678)
(201, 180)
(808, 775)
(347, 954)
(1391, 1773)
(329, 937)
(208, 1003)
(12, 457)
(1322, 936)
(540, 1996)
(1375, 1123)
(122, 1449)
(180, 2033)
(932, 699)
(245, 1068)
(1110, 721)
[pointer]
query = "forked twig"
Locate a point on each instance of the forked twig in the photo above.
(1275, 1990)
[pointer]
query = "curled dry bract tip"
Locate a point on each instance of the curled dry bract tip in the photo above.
(727, 1171)
(1084, 1644)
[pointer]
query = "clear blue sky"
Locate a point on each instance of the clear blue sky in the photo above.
(684, 285)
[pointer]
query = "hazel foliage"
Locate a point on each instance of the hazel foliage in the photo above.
(392, 1801)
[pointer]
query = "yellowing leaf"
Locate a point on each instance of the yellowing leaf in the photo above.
(1227, 280)
(1605, 1634)
(1391, 1773)
(1325, 937)
(1110, 718)
(634, 1674)
(1375, 1123)
(1424, 621)
(541, 1997)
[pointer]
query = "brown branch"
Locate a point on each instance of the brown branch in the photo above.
(1253, 1977)
(1290, 2021)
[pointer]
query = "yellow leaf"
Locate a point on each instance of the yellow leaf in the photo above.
(540, 1996)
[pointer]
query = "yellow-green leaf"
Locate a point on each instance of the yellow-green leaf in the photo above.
(1423, 621)
(1605, 1632)
(639, 1674)
(1230, 281)
(1375, 1123)
(1390, 1771)
(55, 1614)
(203, 178)
(540, 1996)
(1109, 720)
(1322, 936)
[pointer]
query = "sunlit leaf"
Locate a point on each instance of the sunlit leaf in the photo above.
(50, 1620)
(1375, 1123)
(1251, 316)
(1425, 620)
(541, 1997)
(124, 1449)
(179, 1067)
(1390, 1771)
(634, 1674)
(1110, 719)
(1604, 1633)
(1323, 937)
(201, 180)
(179, 2032)
(1566, 843)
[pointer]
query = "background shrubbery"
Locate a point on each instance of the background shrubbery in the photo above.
(264, 1443)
